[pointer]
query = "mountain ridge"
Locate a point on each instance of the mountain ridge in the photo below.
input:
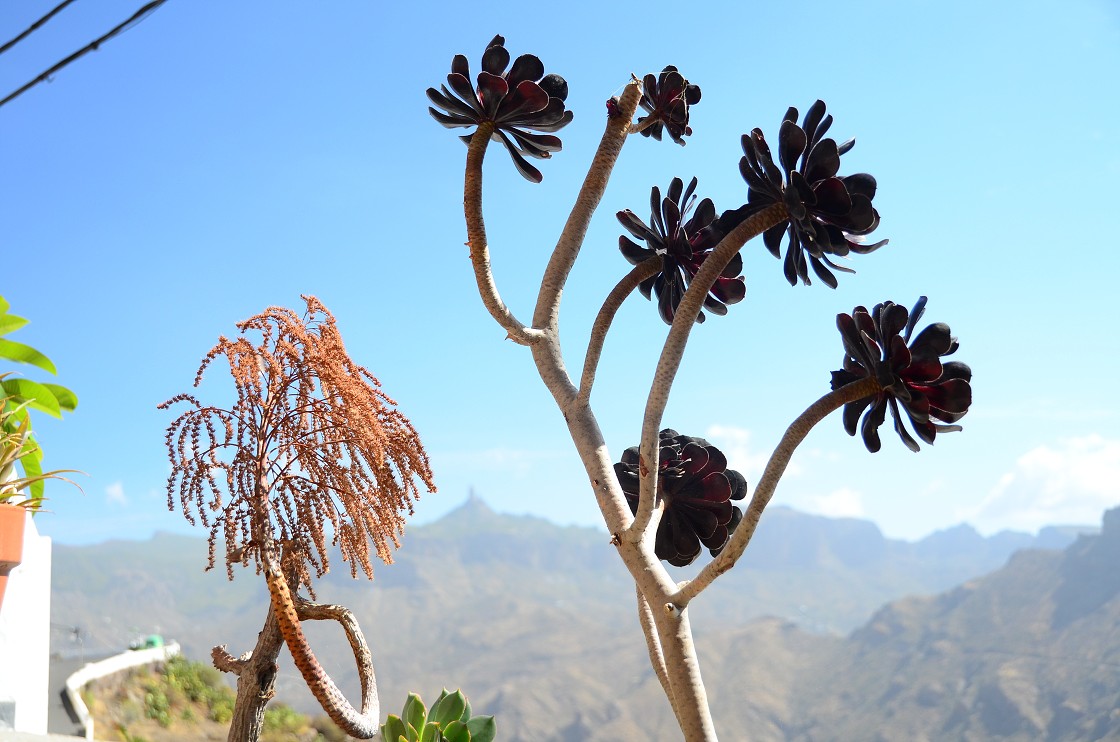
(536, 621)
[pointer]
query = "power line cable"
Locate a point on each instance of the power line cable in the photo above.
(34, 26)
(138, 16)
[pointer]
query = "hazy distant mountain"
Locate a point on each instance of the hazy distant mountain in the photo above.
(1031, 652)
(537, 622)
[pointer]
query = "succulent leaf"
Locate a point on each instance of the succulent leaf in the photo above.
(448, 708)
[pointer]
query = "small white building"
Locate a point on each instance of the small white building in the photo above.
(25, 638)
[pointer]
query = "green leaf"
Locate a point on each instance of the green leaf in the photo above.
(448, 708)
(414, 714)
(482, 728)
(14, 416)
(20, 353)
(431, 733)
(35, 394)
(457, 731)
(413, 735)
(32, 464)
(10, 323)
(67, 400)
(393, 729)
(4, 305)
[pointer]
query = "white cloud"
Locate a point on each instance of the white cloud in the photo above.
(741, 454)
(114, 494)
(1073, 481)
(841, 503)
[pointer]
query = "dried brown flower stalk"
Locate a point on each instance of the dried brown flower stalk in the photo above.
(310, 446)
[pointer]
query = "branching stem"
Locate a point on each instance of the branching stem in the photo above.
(775, 467)
(673, 351)
(590, 194)
(656, 655)
(605, 317)
(476, 240)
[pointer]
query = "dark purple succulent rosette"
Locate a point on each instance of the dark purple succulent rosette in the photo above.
(828, 214)
(667, 98)
(697, 489)
(683, 237)
(934, 394)
(515, 101)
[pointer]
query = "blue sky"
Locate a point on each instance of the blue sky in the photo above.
(222, 157)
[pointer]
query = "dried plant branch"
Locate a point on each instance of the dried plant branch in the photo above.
(308, 611)
(775, 467)
(329, 444)
(256, 680)
(673, 352)
(603, 321)
(361, 724)
(311, 451)
(225, 661)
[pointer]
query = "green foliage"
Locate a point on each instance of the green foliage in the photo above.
(198, 682)
(127, 737)
(169, 695)
(157, 705)
(195, 682)
(328, 730)
(282, 723)
(18, 396)
(449, 720)
(221, 710)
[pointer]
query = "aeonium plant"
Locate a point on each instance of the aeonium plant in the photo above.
(672, 496)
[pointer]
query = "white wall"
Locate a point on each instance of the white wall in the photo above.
(96, 670)
(25, 635)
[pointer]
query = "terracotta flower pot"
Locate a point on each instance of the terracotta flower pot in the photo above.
(12, 521)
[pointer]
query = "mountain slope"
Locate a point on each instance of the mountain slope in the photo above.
(537, 623)
(1030, 652)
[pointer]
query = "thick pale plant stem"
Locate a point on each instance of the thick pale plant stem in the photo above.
(682, 671)
(673, 352)
(688, 697)
(763, 493)
(590, 194)
(656, 655)
(547, 355)
(476, 240)
(603, 321)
